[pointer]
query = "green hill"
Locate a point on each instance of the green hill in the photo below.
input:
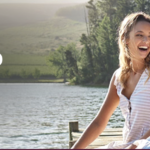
(40, 38)
(76, 12)
(25, 44)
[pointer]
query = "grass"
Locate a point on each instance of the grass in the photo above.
(26, 59)
(15, 63)
(29, 69)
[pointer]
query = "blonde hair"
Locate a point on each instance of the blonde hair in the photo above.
(124, 57)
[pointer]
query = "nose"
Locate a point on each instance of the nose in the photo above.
(145, 38)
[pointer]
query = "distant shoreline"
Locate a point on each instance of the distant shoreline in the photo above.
(31, 81)
(50, 81)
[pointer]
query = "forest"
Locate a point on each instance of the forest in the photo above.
(98, 58)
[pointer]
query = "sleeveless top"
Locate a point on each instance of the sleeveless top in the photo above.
(136, 111)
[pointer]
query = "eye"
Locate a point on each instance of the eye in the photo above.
(139, 35)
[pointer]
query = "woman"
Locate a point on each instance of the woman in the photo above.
(129, 87)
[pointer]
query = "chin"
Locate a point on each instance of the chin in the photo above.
(143, 55)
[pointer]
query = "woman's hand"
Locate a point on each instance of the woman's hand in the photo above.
(132, 146)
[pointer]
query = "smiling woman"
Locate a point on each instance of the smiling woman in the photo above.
(129, 87)
(140, 38)
(134, 46)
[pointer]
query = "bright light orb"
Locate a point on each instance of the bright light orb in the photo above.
(1, 59)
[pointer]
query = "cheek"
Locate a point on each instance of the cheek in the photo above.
(134, 43)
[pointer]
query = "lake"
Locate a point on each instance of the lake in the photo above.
(36, 115)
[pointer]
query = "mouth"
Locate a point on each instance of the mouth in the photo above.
(143, 48)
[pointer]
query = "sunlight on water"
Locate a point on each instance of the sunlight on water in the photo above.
(37, 115)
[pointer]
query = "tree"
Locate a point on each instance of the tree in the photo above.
(86, 59)
(57, 58)
(5, 73)
(36, 74)
(93, 16)
(97, 57)
(107, 46)
(123, 8)
(99, 54)
(65, 58)
(107, 7)
(142, 5)
(23, 74)
(71, 60)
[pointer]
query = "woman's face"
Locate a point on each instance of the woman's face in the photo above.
(139, 40)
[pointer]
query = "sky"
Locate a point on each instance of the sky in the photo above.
(43, 1)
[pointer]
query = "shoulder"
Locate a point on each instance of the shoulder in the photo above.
(115, 77)
(116, 73)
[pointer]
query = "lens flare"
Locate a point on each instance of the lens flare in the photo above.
(1, 59)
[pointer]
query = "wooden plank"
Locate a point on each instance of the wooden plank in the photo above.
(101, 138)
(108, 135)
(102, 134)
(107, 130)
(104, 140)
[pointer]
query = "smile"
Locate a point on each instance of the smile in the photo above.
(143, 48)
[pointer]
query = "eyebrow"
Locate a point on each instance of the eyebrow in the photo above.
(141, 32)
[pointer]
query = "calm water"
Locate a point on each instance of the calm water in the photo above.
(37, 115)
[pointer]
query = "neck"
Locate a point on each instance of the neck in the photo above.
(138, 66)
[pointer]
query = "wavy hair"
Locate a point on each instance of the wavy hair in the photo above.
(124, 57)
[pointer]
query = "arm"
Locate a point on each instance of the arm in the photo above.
(99, 123)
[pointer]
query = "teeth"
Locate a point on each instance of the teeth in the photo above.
(143, 47)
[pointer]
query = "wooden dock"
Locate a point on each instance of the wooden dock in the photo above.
(108, 135)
